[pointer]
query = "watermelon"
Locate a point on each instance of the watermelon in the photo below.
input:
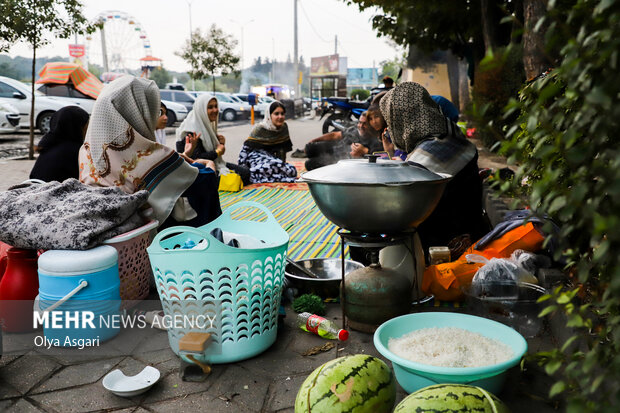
(449, 398)
(356, 384)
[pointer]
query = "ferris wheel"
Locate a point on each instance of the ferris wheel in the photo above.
(119, 45)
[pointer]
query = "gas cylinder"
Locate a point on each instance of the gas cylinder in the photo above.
(18, 288)
(373, 295)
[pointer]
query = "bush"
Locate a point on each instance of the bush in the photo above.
(360, 94)
(566, 143)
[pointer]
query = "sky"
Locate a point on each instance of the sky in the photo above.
(267, 30)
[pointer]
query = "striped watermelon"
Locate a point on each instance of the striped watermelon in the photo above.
(356, 384)
(451, 398)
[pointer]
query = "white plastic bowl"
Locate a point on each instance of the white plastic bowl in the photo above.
(124, 386)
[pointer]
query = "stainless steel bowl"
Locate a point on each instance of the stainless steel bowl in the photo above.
(379, 197)
(329, 272)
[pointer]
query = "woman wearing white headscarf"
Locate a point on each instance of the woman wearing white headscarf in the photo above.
(197, 136)
(120, 150)
(264, 152)
(418, 126)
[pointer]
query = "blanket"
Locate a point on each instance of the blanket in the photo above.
(67, 215)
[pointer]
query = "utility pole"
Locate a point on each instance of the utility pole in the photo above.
(336, 44)
(104, 53)
(191, 42)
(296, 56)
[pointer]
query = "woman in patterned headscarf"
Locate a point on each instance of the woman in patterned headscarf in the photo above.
(417, 126)
(120, 150)
(264, 152)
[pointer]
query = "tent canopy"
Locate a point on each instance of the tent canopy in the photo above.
(64, 72)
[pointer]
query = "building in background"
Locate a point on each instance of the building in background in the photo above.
(328, 76)
(362, 78)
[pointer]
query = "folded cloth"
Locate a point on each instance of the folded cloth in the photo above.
(510, 221)
(67, 215)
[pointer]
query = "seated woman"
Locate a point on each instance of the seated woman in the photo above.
(160, 128)
(200, 127)
(418, 127)
(264, 152)
(59, 148)
(120, 150)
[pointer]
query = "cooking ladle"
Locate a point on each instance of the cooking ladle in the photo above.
(302, 269)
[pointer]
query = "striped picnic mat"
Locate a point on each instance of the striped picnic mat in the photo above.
(311, 234)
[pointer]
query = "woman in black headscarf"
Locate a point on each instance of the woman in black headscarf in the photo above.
(59, 148)
(419, 128)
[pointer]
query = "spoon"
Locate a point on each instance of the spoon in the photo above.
(302, 269)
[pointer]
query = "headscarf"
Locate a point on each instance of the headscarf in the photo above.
(417, 126)
(197, 121)
(67, 125)
(59, 148)
(266, 134)
(120, 148)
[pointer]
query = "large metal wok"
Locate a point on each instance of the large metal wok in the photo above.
(376, 197)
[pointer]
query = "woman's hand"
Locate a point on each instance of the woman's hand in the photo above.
(207, 163)
(186, 158)
(191, 140)
(221, 139)
(220, 149)
(388, 146)
(358, 150)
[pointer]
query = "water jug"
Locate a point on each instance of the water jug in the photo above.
(18, 289)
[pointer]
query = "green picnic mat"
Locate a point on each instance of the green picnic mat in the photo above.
(311, 234)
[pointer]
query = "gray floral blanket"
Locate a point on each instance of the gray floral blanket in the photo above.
(67, 215)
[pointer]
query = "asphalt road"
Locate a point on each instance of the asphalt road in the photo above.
(15, 145)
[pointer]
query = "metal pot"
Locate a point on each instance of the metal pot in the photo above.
(371, 196)
(328, 270)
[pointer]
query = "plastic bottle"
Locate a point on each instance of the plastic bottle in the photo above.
(320, 326)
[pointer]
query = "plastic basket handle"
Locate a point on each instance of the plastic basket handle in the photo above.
(249, 204)
(155, 245)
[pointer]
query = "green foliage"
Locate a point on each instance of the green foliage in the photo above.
(360, 94)
(161, 76)
(210, 54)
(566, 142)
(309, 303)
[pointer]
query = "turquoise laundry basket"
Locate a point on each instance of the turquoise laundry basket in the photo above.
(231, 293)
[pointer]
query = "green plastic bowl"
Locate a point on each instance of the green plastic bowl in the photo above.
(414, 376)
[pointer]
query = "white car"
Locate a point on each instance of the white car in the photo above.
(68, 93)
(176, 112)
(18, 95)
(9, 118)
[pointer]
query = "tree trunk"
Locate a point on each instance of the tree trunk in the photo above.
(31, 140)
(453, 77)
(464, 93)
(534, 58)
(213, 77)
(488, 30)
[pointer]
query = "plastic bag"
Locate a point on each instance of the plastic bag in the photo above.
(502, 269)
(230, 182)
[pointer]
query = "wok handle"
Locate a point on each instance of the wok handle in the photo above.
(302, 269)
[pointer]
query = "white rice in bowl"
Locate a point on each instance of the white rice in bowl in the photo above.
(450, 347)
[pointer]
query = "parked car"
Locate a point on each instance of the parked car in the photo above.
(18, 94)
(175, 86)
(9, 118)
(230, 109)
(178, 96)
(69, 93)
(259, 108)
(175, 112)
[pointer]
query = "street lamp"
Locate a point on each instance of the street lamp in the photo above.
(189, 5)
(242, 25)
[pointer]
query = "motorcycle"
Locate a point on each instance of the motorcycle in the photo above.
(343, 111)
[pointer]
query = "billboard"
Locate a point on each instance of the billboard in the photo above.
(324, 65)
(77, 50)
(363, 77)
